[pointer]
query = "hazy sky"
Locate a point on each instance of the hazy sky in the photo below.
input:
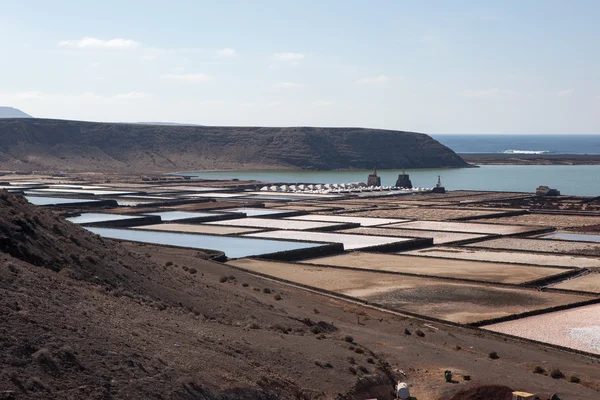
(428, 66)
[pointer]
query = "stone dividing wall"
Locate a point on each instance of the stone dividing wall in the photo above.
(126, 223)
(303, 254)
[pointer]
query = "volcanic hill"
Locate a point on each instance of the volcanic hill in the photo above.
(56, 145)
(10, 112)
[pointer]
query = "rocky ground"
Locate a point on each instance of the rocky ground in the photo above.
(84, 317)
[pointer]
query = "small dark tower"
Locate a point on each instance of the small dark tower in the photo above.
(373, 179)
(404, 180)
(438, 187)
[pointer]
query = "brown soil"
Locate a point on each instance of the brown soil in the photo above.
(492, 392)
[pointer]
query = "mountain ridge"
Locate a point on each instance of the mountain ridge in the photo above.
(35, 144)
(11, 112)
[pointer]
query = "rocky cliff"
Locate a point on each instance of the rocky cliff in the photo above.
(40, 144)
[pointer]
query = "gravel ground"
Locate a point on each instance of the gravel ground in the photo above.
(578, 328)
(540, 245)
(555, 260)
(559, 221)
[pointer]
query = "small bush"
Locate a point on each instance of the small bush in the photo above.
(267, 290)
(232, 278)
(556, 374)
(458, 347)
(407, 332)
(245, 284)
(419, 333)
(370, 360)
(185, 268)
(223, 279)
(193, 270)
(363, 369)
(352, 370)
(316, 311)
(169, 263)
(328, 365)
(349, 339)
(277, 297)
(539, 370)
(358, 350)
(493, 355)
(319, 363)
(574, 379)
(316, 330)
(351, 360)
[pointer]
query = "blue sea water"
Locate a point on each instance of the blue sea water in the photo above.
(522, 144)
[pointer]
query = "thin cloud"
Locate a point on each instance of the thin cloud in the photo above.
(94, 43)
(487, 93)
(376, 80)
(289, 85)
(322, 103)
(149, 57)
(188, 78)
(132, 96)
(226, 52)
(566, 92)
(289, 57)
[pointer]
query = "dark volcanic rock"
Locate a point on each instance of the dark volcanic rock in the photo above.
(33, 144)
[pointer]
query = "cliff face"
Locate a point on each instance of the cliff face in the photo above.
(85, 146)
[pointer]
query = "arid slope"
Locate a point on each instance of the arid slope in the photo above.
(39, 144)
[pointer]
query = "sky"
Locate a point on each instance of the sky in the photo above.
(427, 66)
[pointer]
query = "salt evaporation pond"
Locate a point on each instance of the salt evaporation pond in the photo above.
(576, 237)
(233, 247)
(256, 212)
(50, 201)
(88, 218)
(577, 328)
(179, 215)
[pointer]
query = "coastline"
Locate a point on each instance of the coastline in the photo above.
(530, 159)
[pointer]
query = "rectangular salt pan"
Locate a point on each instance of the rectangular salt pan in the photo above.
(349, 241)
(274, 223)
(88, 218)
(179, 215)
(363, 221)
(233, 247)
(575, 237)
(47, 201)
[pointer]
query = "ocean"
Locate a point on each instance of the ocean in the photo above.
(522, 144)
(578, 180)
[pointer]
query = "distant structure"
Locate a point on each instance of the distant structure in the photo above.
(438, 187)
(404, 181)
(373, 179)
(546, 191)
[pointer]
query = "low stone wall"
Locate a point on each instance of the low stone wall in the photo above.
(303, 254)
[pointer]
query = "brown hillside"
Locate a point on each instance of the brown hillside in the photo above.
(38, 144)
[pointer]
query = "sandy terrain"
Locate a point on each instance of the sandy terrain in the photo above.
(350, 242)
(577, 328)
(586, 283)
(555, 220)
(424, 213)
(508, 257)
(457, 302)
(437, 236)
(484, 271)
(466, 227)
(540, 245)
(197, 228)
